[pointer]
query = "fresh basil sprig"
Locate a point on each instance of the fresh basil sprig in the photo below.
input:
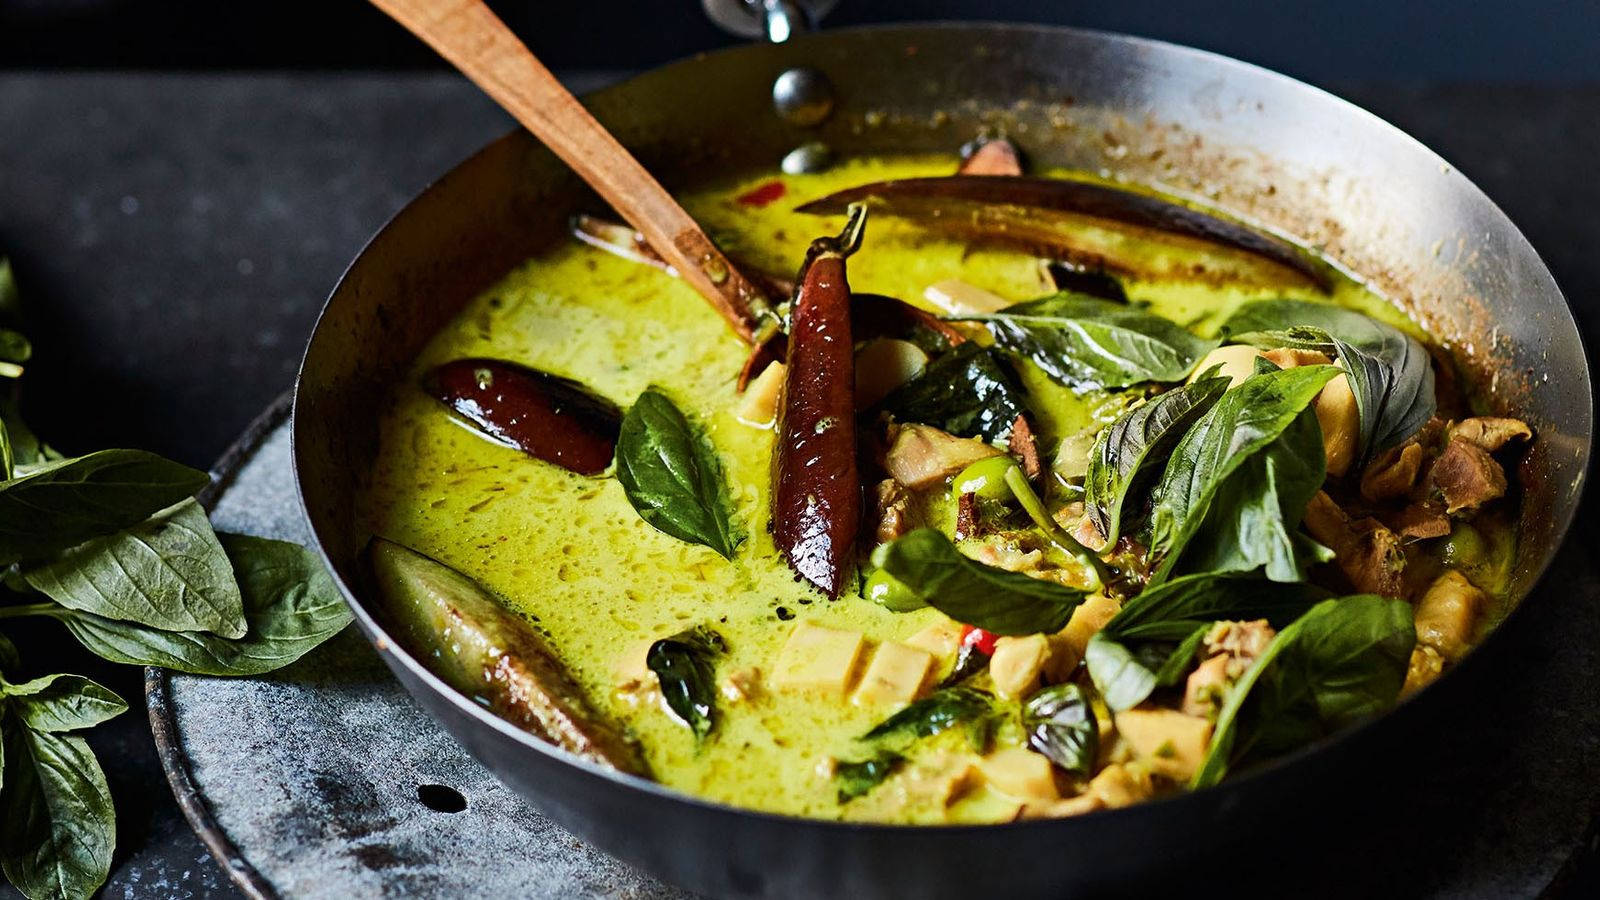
(1086, 343)
(685, 664)
(1138, 443)
(127, 561)
(57, 825)
(969, 392)
(1343, 661)
(1247, 419)
(1000, 602)
(671, 475)
(1390, 372)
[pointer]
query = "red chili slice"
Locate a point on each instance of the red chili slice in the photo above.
(978, 639)
(765, 193)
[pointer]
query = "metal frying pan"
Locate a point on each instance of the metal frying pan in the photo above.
(1284, 155)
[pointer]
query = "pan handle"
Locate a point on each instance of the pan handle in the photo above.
(774, 20)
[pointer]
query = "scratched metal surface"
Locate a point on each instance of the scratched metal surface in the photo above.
(311, 774)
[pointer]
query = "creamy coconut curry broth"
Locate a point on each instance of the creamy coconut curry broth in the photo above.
(1243, 508)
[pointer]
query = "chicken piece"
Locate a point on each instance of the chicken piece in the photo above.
(1020, 773)
(1067, 645)
(1426, 666)
(897, 515)
(1447, 614)
(1465, 476)
(1206, 687)
(896, 674)
(1490, 433)
(1367, 552)
(1393, 473)
(1420, 521)
(942, 778)
(1241, 642)
(957, 298)
(884, 364)
(1238, 362)
(758, 407)
(1017, 663)
(921, 456)
(818, 659)
(941, 639)
(1120, 785)
(1170, 743)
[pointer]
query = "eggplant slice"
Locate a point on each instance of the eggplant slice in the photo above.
(463, 635)
(1043, 214)
(545, 416)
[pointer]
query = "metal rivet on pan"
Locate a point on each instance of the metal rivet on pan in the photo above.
(808, 159)
(803, 96)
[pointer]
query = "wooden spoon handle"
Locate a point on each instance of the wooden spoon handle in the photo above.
(474, 40)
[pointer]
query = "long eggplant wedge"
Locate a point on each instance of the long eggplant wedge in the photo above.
(1086, 223)
(463, 635)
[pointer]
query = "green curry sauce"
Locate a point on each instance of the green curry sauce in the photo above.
(570, 554)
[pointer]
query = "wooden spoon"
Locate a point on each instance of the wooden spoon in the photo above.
(474, 40)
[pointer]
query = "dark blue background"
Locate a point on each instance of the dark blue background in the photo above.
(1547, 41)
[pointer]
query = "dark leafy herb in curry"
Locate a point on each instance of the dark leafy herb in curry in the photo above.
(686, 666)
(672, 477)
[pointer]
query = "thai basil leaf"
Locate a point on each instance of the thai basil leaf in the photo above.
(67, 502)
(8, 655)
(62, 703)
(1001, 602)
(1086, 343)
(167, 572)
(1170, 611)
(1127, 658)
(1343, 661)
(290, 606)
(1127, 450)
(57, 823)
(1247, 419)
(671, 475)
(1061, 725)
(686, 666)
(857, 778)
(940, 710)
(969, 392)
(1253, 521)
(1390, 373)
